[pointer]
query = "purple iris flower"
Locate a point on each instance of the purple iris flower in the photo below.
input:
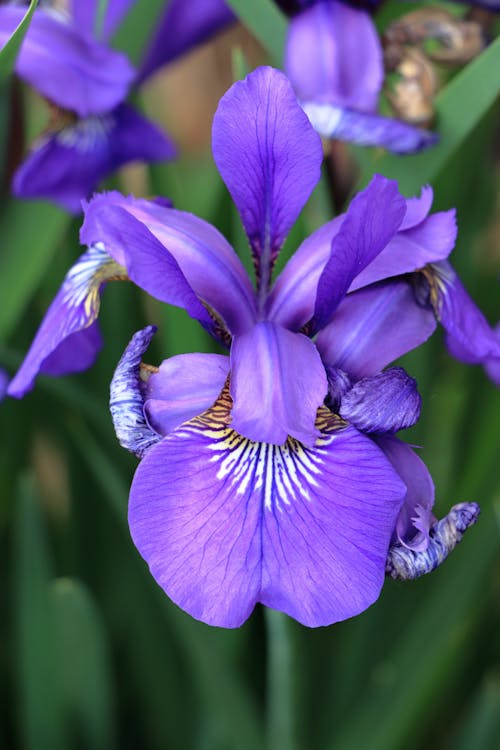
(67, 59)
(271, 474)
(334, 60)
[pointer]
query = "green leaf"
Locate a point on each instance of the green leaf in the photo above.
(8, 53)
(481, 727)
(460, 106)
(266, 22)
(40, 709)
(31, 233)
(83, 664)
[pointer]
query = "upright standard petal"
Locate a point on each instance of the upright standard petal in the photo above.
(366, 129)
(269, 157)
(333, 55)
(69, 68)
(66, 166)
(183, 26)
(208, 262)
(469, 337)
(68, 340)
(90, 18)
(234, 522)
(415, 517)
(278, 382)
(374, 326)
(384, 403)
(372, 220)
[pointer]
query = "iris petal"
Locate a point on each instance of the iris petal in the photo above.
(269, 157)
(333, 54)
(277, 382)
(367, 129)
(66, 334)
(233, 522)
(205, 258)
(66, 166)
(374, 326)
(70, 69)
(85, 16)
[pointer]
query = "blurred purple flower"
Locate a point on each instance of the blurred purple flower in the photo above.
(334, 60)
(66, 58)
(285, 483)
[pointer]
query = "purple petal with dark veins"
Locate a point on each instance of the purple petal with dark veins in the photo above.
(406, 564)
(126, 401)
(374, 326)
(333, 55)
(206, 259)
(383, 403)
(277, 384)
(85, 16)
(183, 26)
(415, 517)
(224, 522)
(184, 386)
(469, 337)
(372, 220)
(339, 383)
(67, 166)
(367, 129)
(268, 156)
(70, 69)
(67, 341)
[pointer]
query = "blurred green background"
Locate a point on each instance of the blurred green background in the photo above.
(92, 654)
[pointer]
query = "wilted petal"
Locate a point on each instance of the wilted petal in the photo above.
(183, 26)
(268, 156)
(64, 342)
(383, 403)
(67, 67)
(415, 517)
(126, 401)
(366, 129)
(66, 166)
(374, 326)
(469, 337)
(444, 535)
(225, 523)
(207, 261)
(183, 387)
(86, 16)
(277, 384)
(372, 220)
(333, 55)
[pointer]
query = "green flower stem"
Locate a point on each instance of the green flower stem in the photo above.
(280, 723)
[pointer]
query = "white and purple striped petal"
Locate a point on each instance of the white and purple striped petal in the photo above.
(67, 67)
(269, 157)
(68, 339)
(374, 326)
(199, 251)
(278, 382)
(234, 522)
(66, 166)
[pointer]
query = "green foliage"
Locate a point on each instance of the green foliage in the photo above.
(10, 50)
